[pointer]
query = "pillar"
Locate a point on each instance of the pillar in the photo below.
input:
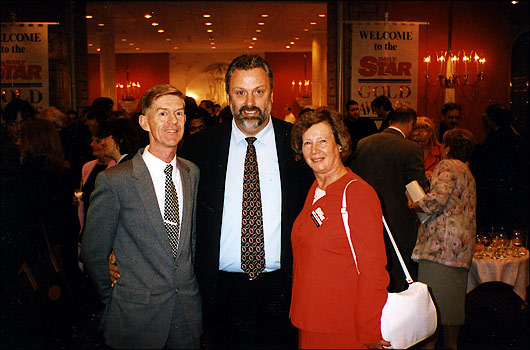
(107, 63)
(319, 69)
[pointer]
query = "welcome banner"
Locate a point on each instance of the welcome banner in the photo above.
(385, 62)
(25, 63)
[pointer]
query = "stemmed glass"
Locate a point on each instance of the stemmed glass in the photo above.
(499, 242)
(518, 243)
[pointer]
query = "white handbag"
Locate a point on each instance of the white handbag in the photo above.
(408, 317)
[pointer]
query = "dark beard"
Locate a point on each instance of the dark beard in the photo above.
(260, 118)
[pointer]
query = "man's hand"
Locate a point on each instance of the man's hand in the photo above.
(113, 269)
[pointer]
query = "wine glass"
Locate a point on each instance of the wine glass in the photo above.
(501, 243)
(517, 241)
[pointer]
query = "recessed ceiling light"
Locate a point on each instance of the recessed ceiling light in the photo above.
(98, 49)
(137, 48)
(131, 44)
(208, 23)
(101, 24)
(209, 30)
(287, 47)
(312, 23)
(207, 15)
(147, 16)
(254, 38)
(211, 38)
(322, 15)
(168, 39)
(154, 24)
(292, 43)
(161, 30)
(123, 39)
(89, 16)
(258, 30)
(175, 47)
(296, 38)
(90, 45)
(261, 23)
(264, 15)
(306, 30)
(213, 47)
(251, 47)
(212, 43)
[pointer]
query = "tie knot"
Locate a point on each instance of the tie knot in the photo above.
(168, 170)
(250, 140)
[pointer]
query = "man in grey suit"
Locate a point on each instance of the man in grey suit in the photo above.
(143, 210)
(388, 161)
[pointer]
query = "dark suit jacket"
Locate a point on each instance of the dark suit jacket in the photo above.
(388, 162)
(124, 216)
(209, 150)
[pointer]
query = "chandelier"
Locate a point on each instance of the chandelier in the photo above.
(456, 69)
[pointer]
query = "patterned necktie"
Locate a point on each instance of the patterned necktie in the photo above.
(252, 240)
(171, 211)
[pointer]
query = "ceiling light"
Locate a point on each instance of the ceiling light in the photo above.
(254, 38)
(154, 24)
(212, 43)
(515, 2)
(161, 30)
(206, 15)
(251, 47)
(306, 30)
(261, 23)
(258, 30)
(101, 24)
(264, 15)
(168, 39)
(322, 15)
(296, 38)
(208, 23)
(292, 43)
(287, 47)
(211, 38)
(131, 44)
(90, 45)
(123, 39)
(175, 47)
(98, 49)
(213, 47)
(209, 30)
(147, 16)
(89, 16)
(312, 23)
(137, 48)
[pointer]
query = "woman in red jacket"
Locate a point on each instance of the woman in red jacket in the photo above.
(332, 305)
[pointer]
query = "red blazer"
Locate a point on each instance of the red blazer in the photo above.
(328, 294)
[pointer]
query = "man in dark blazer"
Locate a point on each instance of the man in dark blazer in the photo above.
(155, 303)
(388, 161)
(241, 312)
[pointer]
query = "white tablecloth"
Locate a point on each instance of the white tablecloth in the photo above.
(512, 271)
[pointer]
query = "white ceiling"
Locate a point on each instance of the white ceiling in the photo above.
(234, 24)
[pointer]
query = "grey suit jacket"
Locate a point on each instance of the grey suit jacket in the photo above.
(124, 216)
(388, 162)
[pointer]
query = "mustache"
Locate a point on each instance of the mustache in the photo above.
(250, 109)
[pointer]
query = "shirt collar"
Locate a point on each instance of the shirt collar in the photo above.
(153, 161)
(401, 132)
(264, 136)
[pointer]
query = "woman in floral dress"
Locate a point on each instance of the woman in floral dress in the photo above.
(444, 247)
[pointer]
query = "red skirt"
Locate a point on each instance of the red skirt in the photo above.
(314, 340)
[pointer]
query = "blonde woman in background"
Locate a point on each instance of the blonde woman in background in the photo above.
(424, 135)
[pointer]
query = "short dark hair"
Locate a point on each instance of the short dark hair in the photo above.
(124, 133)
(449, 107)
(246, 62)
(156, 92)
(403, 115)
(382, 101)
(17, 105)
(351, 102)
(461, 142)
(499, 114)
(307, 120)
(103, 103)
(209, 104)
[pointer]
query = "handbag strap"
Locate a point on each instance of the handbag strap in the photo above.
(344, 212)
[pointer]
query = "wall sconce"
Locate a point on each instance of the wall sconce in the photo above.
(455, 70)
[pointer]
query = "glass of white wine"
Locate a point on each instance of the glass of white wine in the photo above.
(518, 241)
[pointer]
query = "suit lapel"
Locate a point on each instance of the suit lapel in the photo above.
(145, 189)
(187, 203)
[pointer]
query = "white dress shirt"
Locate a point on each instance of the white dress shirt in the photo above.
(156, 168)
(271, 199)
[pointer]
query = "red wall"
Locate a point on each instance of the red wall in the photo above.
(148, 69)
(483, 26)
(286, 67)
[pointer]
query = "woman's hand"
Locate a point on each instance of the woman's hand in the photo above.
(379, 345)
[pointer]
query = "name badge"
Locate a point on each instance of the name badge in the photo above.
(317, 216)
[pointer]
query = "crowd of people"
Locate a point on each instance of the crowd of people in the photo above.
(202, 227)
